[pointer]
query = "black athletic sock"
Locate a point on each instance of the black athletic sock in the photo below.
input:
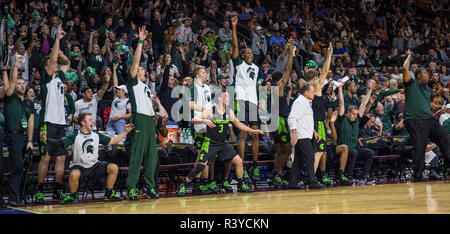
(108, 192)
(323, 173)
(255, 164)
(205, 181)
(240, 181)
(41, 188)
(59, 186)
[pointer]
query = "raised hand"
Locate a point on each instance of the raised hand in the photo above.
(19, 59)
(61, 34)
(330, 49)
(373, 98)
(142, 33)
(234, 21)
(334, 117)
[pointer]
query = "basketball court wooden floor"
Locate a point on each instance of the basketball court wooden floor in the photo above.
(402, 198)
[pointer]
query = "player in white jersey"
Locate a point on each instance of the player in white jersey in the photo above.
(201, 100)
(143, 138)
(85, 146)
(53, 117)
(246, 103)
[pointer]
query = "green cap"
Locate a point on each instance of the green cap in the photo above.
(312, 64)
(71, 76)
(35, 15)
(221, 76)
(91, 71)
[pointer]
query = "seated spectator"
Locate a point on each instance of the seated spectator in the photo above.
(445, 115)
(277, 39)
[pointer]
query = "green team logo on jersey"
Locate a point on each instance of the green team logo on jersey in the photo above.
(89, 148)
(251, 73)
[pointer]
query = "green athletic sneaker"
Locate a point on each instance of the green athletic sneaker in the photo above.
(132, 194)
(326, 180)
(256, 176)
(212, 186)
(70, 199)
(244, 188)
(39, 198)
(277, 181)
(181, 191)
(247, 178)
(152, 193)
(344, 180)
(227, 186)
(59, 195)
(204, 189)
(112, 197)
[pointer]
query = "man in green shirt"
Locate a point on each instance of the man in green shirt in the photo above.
(348, 132)
(418, 120)
(384, 117)
(19, 126)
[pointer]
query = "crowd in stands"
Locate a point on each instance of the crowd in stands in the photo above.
(370, 40)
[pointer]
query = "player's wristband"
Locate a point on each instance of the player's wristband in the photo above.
(141, 41)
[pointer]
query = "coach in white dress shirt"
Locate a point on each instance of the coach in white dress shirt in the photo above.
(301, 124)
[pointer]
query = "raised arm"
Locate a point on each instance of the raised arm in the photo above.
(65, 64)
(5, 80)
(104, 87)
(55, 50)
(32, 43)
(13, 75)
(406, 64)
(333, 135)
(364, 101)
(287, 73)
(341, 101)
(114, 75)
(235, 53)
(138, 52)
(325, 69)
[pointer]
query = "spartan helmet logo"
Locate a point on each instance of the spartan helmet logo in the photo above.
(60, 87)
(251, 73)
(116, 104)
(147, 91)
(88, 147)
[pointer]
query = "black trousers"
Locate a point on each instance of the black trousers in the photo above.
(304, 154)
(421, 131)
(16, 146)
(365, 154)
